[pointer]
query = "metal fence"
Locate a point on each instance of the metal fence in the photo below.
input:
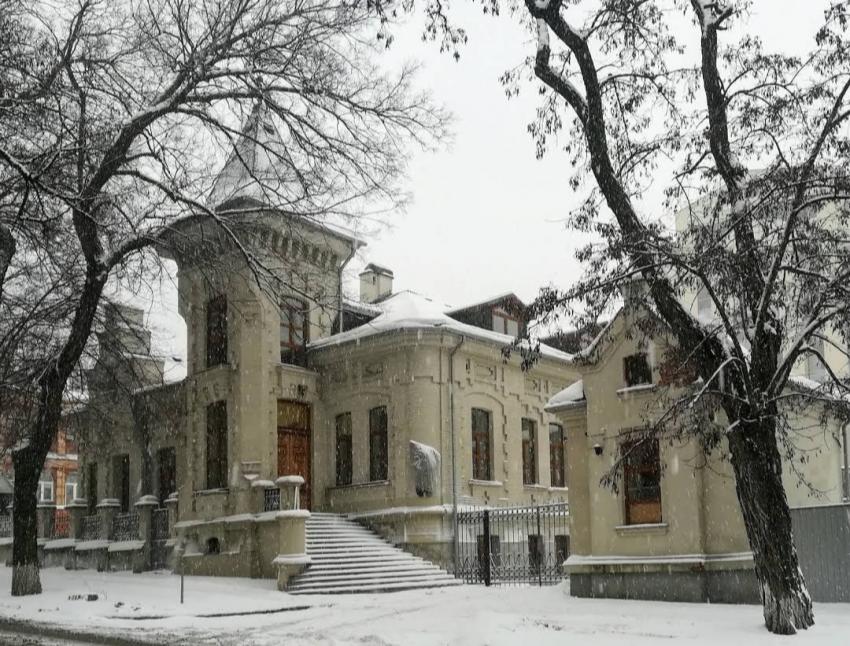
(513, 545)
(61, 523)
(5, 526)
(90, 528)
(271, 499)
(159, 539)
(822, 536)
(125, 527)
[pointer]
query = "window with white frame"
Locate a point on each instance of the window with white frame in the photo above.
(814, 366)
(70, 488)
(45, 487)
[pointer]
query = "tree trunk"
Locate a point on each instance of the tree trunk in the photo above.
(25, 569)
(758, 476)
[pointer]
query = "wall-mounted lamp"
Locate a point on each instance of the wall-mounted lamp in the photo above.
(597, 448)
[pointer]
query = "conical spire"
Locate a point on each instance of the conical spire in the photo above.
(256, 170)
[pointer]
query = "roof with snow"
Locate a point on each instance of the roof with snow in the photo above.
(378, 269)
(408, 310)
(257, 169)
(569, 397)
(488, 301)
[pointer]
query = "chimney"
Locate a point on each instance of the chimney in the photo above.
(376, 283)
(635, 291)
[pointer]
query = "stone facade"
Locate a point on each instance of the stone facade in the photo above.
(697, 550)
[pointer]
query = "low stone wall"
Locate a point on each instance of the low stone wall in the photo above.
(715, 579)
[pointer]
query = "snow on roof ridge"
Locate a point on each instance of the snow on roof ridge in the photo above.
(496, 297)
(411, 310)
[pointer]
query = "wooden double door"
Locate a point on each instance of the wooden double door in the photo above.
(293, 445)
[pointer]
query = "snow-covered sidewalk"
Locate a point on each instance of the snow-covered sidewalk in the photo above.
(147, 607)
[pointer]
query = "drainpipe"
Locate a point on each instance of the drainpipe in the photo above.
(845, 471)
(341, 267)
(455, 544)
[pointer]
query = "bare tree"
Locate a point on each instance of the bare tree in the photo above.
(761, 140)
(111, 118)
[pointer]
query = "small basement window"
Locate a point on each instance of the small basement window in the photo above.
(213, 546)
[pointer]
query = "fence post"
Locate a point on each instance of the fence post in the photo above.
(541, 547)
(487, 547)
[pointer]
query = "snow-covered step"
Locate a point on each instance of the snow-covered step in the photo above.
(347, 558)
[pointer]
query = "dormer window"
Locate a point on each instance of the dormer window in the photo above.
(504, 323)
(294, 331)
(636, 370)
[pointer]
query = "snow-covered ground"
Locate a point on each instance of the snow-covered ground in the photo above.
(147, 607)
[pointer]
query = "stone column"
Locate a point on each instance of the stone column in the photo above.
(172, 506)
(76, 512)
(107, 509)
(77, 509)
(144, 508)
(289, 487)
(45, 512)
(292, 558)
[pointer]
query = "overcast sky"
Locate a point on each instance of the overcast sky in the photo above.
(487, 217)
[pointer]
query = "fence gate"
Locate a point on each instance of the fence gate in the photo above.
(822, 537)
(159, 536)
(513, 545)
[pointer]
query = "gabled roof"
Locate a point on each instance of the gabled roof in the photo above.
(493, 300)
(408, 310)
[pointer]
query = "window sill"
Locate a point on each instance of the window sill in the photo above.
(631, 391)
(559, 489)
(360, 485)
(485, 483)
(211, 492)
(645, 528)
(535, 487)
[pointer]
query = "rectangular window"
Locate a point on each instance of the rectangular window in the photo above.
(562, 547)
(504, 323)
(378, 443)
(167, 463)
(642, 481)
(536, 552)
(217, 331)
(45, 487)
(636, 370)
(294, 331)
(705, 306)
(557, 456)
(481, 453)
(217, 445)
(343, 450)
(91, 487)
(70, 488)
(529, 452)
(814, 367)
(121, 480)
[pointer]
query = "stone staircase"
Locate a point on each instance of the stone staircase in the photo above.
(347, 558)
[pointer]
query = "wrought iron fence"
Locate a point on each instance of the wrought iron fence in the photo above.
(159, 539)
(61, 523)
(5, 526)
(125, 527)
(271, 499)
(513, 545)
(159, 524)
(90, 527)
